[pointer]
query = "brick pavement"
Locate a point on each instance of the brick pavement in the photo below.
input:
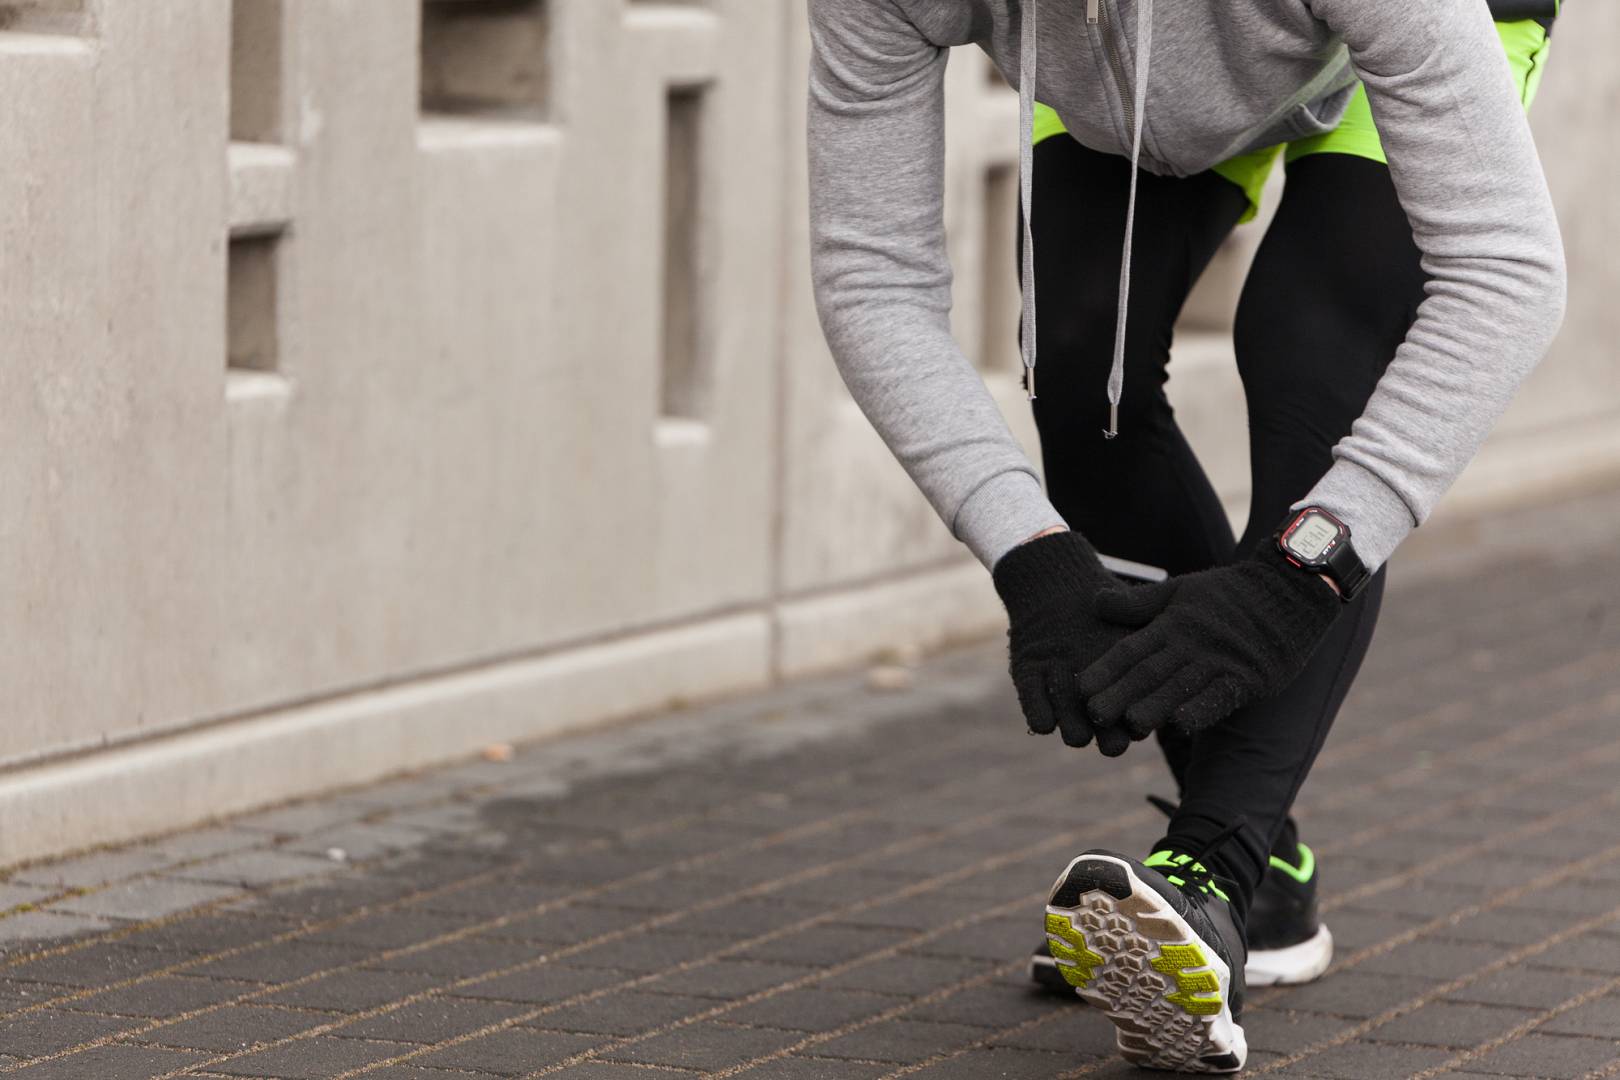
(834, 881)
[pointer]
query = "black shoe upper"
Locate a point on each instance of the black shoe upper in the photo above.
(1284, 911)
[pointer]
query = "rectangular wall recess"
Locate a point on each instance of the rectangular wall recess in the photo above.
(252, 304)
(684, 372)
(999, 302)
(256, 71)
(486, 57)
(44, 17)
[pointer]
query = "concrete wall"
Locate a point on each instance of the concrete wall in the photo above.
(377, 384)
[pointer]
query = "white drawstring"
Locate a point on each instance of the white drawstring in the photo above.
(1028, 62)
(1028, 68)
(1116, 373)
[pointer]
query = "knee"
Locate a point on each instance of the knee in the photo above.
(1075, 356)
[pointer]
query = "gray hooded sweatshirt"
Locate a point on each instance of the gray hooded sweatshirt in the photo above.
(1221, 78)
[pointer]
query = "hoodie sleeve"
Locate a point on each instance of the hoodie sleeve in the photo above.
(1467, 174)
(882, 279)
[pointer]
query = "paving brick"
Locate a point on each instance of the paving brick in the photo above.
(13, 894)
(1372, 1061)
(1527, 987)
(298, 819)
(310, 1059)
(901, 1041)
(705, 1046)
(206, 933)
(542, 985)
(429, 1021)
(1001, 1003)
(1006, 1063)
(357, 840)
(254, 869)
(1548, 1055)
(145, 898)
(114, 1062)
(463, 957)
(390, 929)
(811, 1009)
(998, 939)
(608, 1070)
(1355, 994)
(91, 871)
(354, 990)
(1287, 1031)
(794, 1067)
(1587, 952)
(1600, 1019)
(204, 843)
(1506, 926)
(631, 1012)
(94, 965)
(510, 1052)
(48, 1031)
(726, 979)
(1433, 959)
(822, 946)
(483, 903)
(18, 932)
(1450, 1024)
(280, 962)
(906, 974)
(161, 997)
(234, 1027)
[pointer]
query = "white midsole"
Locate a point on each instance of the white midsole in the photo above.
(1292, 965)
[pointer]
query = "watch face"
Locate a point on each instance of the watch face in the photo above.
(1312, 537)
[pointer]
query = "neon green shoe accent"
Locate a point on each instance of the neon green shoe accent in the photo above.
(1171, 858)
(1070, 946)
(1172, 959)
(1301, 873)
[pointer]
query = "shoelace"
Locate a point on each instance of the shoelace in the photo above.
(1194, 872)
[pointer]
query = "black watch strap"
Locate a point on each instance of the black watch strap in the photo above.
(1347, 570)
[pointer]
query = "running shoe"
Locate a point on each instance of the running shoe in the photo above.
(1154, 945)
(1288, 942)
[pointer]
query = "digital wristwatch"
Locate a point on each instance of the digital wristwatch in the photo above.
(1319, 543)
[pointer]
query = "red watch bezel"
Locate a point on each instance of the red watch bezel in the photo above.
(1321, 561)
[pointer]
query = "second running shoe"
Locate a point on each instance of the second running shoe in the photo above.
(1153, 944)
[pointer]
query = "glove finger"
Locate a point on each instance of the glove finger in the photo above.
(1032, 699)
(1221, 697)
(1147, 715)
(1072, 721)
(1113, 741)
(1133, 605)
(1113, 665)
(1107, 706)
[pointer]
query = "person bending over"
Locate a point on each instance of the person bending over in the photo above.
(1411, 279)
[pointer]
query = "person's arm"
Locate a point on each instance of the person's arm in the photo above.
(882, 279)
(1468, 176)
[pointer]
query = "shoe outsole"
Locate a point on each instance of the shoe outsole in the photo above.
(1126, 951)
(1291, 965)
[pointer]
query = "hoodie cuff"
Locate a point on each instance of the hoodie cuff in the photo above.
(1379, 519)
(1002, 513)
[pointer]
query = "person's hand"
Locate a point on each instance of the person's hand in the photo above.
(1049, 585)
(1206, 644)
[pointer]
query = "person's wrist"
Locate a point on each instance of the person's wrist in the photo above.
(1053, 562)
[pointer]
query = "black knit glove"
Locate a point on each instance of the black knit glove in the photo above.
(1049, 586)
(1206, 644)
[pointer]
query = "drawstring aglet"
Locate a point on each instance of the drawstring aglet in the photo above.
(1029, 381)
(1112, 429)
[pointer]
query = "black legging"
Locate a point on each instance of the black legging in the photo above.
(1332, 291)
